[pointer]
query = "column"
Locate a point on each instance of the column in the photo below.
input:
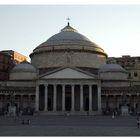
(133, 102)
(21, 102)
(72, 97)
(130, 103)
(54, 97)
(37, 98)
(90, 97)
(137, 102)
(81, 97)
(114, 101)
(46, 98)
(63, 97)
(99, 98)
(29, 100)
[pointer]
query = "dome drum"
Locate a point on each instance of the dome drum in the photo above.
(68, 58)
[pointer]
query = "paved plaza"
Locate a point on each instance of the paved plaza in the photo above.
(69, 126)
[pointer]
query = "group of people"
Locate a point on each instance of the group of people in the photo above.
(137, 121)
(26, 122)
(114, 114)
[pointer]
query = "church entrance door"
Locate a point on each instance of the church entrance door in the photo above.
(68, 98)
(87, 104)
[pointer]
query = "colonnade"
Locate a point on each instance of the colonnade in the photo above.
(92, 94)
(116, 101)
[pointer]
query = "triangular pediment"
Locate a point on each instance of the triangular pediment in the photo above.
(68, 73)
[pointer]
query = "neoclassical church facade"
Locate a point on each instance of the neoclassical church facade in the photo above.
(68, 74)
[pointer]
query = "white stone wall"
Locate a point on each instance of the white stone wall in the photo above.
(20, 84)
(22, 76)
(115, 83)
(135, 83)
(113, 76)
(57, 59)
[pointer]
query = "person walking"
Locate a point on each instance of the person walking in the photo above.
(22, 122)
(138, 122)
(113, 115)
(28, 122)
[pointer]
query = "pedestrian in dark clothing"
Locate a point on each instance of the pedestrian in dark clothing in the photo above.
(22, 122)
(28, 122)
(138, 122)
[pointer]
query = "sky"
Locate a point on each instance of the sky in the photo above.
(115, 28)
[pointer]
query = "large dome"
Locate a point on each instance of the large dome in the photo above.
(68, 47)
(69, 36)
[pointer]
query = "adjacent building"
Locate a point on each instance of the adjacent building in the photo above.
(131, 64)
(6, 64)
(15, 56)
(8, 59)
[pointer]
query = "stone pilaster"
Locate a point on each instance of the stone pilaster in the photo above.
(99, 98)
(72, 97)
(81, 97)
(37, 98)
(63, 97)
(46, 97)
(90, 97)
(21, 102)
(54, 98)
(29, 100)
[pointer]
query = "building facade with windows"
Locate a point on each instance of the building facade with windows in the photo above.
(131, 64)
(16, 57)
(70, 73)
(8, 59)
(6, 64)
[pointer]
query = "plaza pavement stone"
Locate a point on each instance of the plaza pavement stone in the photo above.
(69, 126)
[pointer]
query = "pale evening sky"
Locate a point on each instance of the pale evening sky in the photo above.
(115, 28)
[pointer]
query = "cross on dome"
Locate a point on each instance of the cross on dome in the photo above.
(68, 19)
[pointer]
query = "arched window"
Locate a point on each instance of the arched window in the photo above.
(129, 75)
(135, 74)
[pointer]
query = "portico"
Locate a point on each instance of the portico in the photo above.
(73, 91)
